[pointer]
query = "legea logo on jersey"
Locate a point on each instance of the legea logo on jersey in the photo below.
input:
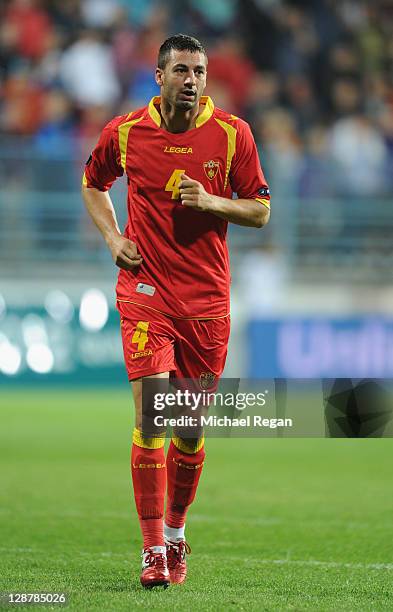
(178, 150)
(211, 168)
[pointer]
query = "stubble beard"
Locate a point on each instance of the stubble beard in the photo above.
(186, 105)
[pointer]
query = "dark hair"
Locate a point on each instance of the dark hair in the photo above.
(179, 42)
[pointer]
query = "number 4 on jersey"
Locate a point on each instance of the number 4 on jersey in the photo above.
(140, 336)
(173, 183)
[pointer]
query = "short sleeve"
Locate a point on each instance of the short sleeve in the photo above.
(103, 166)
(246, 175)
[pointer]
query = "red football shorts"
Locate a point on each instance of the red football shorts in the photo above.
(187, 348)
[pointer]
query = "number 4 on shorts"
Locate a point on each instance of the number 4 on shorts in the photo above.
(140, 336)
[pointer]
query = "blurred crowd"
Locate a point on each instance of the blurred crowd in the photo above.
(313, 77)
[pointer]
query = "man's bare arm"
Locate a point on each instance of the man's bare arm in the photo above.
(250, 213)
(99, 205)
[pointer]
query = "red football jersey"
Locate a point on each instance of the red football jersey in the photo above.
(185, 270)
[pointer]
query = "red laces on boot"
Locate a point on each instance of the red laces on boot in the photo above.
(155, 559)
(176, 552)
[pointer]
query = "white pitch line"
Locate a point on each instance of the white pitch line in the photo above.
(201, 518)
(68, 514)
(207, 518)
(253, 560)
(308, 562)
(19, 549)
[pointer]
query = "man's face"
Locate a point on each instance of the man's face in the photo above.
(183, 79)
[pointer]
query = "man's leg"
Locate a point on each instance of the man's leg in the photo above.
(148, 341)
(148, 469)
(201, 350)
(184, 467)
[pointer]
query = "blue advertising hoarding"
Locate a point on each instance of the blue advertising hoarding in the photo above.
(321, 347)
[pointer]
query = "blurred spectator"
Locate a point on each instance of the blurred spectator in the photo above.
(296, 42)
(92, 119)
(263, 95)
(229, 51)
(100, 13)
(54, 134)
(282, 159)
(46, 70)
(377, 96)
(345, 98)
(28, 27)
(218, 16)
(87, 71)
(221, 95)
(66, 15)
(139, 12)
(22, 104)
(259, 30)
(299, 97)
(317, 177)
(344, 61)
(281, 151)
(361, 157)
(142, 85)
(125, 44)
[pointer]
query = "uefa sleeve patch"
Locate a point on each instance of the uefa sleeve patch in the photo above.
(264, 191)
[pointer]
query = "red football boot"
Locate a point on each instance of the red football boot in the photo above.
(176, 558)
(154, 569)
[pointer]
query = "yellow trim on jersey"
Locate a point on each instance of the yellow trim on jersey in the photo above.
(84, 180)
(173, 316)
(153, 112)
(201, 119)
(207, 111)
(264, 202)
(231, 135)
(187, 446)
(151, 442)
(124, 130)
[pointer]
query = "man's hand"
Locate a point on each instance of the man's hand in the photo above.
(124, 253)
(99, 205)
(243, 211)
(193, 194)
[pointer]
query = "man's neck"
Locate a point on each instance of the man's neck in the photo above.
(175, 120)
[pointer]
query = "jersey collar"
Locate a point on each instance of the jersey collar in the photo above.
(201, 119)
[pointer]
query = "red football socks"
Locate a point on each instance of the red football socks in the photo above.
(184, 468)
(148, 471)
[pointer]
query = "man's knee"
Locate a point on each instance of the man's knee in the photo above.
(144, 390)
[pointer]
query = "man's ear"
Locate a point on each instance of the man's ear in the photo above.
(159, 75)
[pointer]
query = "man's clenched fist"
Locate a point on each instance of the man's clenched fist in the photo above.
(125, 253)
(194, 195)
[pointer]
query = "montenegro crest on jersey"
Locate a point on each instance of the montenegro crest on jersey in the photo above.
(211, 168)
(206, 380)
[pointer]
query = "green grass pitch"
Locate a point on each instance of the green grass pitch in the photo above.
(278, 524)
